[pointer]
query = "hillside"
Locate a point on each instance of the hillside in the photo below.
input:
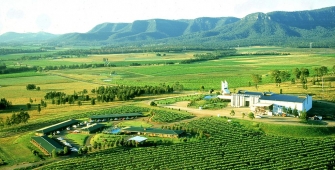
(273, 28)
(26, 37)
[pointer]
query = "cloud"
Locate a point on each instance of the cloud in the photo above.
(15, 14)
(43, 22)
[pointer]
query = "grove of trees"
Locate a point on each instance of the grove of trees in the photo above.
(15, 118)
(4, 104)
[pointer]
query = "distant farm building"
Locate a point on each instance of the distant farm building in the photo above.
(56, 127)
(110, 117)
(46, 144)
(92, 128)
(152, 132)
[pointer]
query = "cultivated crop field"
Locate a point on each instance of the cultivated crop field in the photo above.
(228, 147)
(265, 146)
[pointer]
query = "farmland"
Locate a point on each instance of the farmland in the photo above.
(266, 146)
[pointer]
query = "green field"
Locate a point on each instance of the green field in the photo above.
(154, 71)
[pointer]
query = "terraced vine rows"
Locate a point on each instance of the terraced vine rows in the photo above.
(229, 146)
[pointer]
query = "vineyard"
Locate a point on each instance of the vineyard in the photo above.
(169, 115)
(228, 146)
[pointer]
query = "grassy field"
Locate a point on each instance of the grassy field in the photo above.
(137, 123)
(79, 139)
(236, 70)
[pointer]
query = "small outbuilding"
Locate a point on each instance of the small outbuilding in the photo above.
(46, 144)
(56, 127)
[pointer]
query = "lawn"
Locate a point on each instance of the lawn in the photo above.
(137, 123)
(77, 138)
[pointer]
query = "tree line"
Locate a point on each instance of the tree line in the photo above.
(14, 119)
(137, 49)
(5, 51)
(210, 56)
(109, 93)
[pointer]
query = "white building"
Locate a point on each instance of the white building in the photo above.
(258, 99)
(266, 99)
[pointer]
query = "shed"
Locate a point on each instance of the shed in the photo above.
(46, 144)
(56, 127)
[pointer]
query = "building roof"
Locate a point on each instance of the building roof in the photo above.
(282, 97)
(249, 92)
(92, 127)
(115, 115)
(273, 96)
(138, 138)
(57, 126)
(152, 130)
(47, 143)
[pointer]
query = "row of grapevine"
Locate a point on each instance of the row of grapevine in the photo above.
(229, 146)
(169, 115)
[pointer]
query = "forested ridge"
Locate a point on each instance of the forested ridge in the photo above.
(296, 29)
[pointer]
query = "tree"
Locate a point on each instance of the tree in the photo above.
(284, 76)
(38, 88)
(256, 78)
(289, 111)
(320, 71)
(304, 82)
(23, 116)
(79, 103)
(4, 104)
(45, 104)
(202, 88)
(39, 108)
(28, 106)
(54, 153)
(152, 103)
(295, 112)
(66, 150)
(85, 91)
(323, 70)
(297, 73)
(31, 87)
(93, 101)
(251, 115)
(275, 76)
(232, 113)
(304, 72)
(303, 115)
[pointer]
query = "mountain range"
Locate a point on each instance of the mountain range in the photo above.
(273, 28)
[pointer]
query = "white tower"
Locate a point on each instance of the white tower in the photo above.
(224, 88)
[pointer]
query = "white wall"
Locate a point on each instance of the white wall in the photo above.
(306, 105)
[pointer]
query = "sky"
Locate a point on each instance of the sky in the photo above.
(65, 16)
